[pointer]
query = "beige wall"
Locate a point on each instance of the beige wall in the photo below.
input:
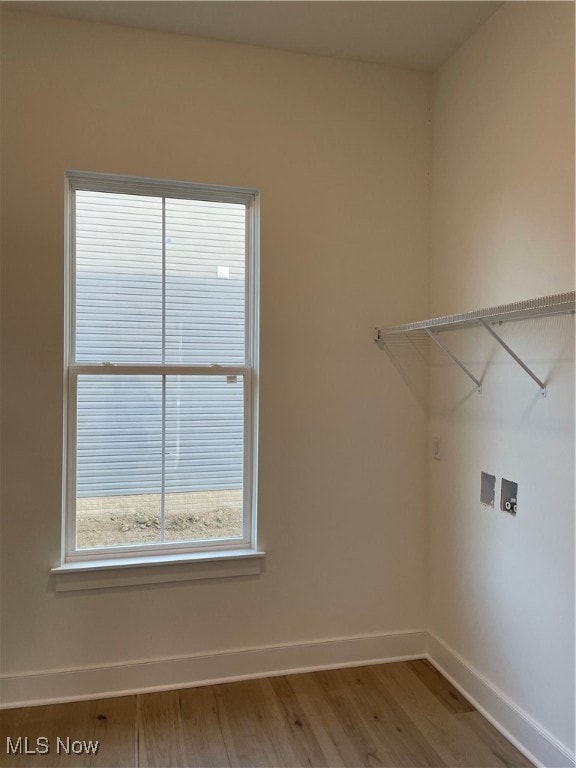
(503, 230)
(340, 153)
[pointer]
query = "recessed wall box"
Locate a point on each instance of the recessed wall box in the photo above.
(509, 496)
(487, 489)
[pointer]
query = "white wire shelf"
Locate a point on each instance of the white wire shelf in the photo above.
(545, 306)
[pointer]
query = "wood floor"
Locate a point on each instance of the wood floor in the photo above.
(397, 715)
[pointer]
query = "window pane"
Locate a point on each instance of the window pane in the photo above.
(204, 457)
(118, 278)
(119, 466)
(119, 469)
(205, 282)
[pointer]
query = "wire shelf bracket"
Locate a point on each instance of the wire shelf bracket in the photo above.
(557, 304)
(453, 357)
(515, 357)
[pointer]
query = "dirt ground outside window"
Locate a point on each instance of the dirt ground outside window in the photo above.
(107, 521)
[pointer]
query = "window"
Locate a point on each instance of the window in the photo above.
(161, 368)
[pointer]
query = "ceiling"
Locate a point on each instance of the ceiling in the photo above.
(416, 35)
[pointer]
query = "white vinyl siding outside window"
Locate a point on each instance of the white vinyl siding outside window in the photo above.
(161, 368)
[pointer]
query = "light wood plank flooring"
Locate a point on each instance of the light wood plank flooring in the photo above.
(400, 715)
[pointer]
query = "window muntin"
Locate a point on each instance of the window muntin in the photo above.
(161, 396)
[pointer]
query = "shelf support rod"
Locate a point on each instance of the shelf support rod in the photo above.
(453, 357)
(515, 357)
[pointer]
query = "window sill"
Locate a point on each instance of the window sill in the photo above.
(131, 571)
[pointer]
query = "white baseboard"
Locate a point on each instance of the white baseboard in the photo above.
(165, 674)
(517, 726)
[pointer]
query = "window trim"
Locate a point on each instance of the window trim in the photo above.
(131, 571)
(73, 559)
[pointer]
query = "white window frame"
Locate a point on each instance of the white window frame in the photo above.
(173, 552)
